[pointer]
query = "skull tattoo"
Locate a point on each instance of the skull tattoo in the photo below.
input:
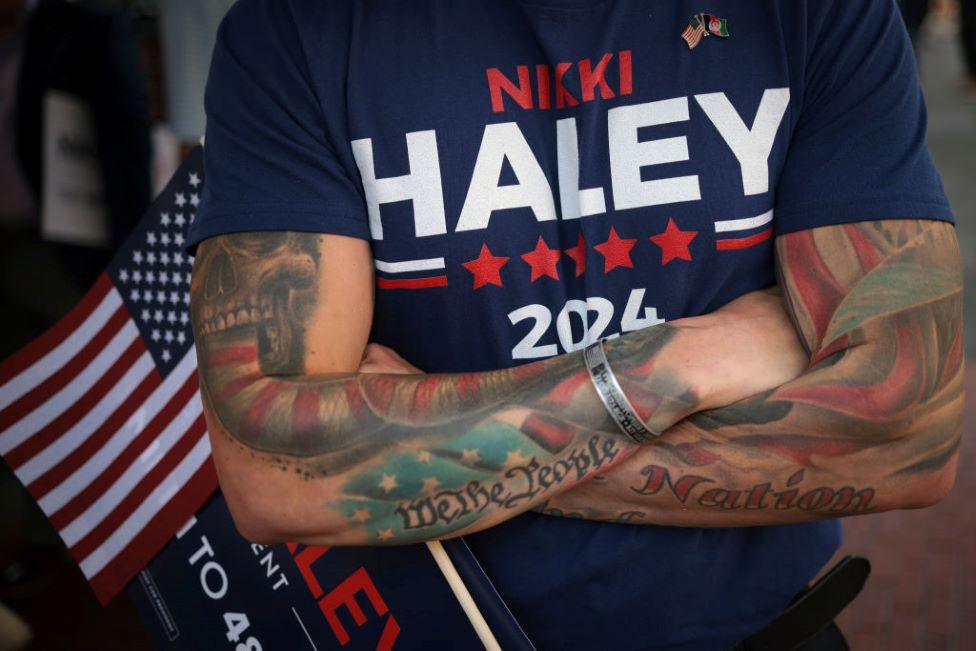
(263, 281)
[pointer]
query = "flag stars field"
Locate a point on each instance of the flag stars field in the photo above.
(388, 483)
(515, 458)
(120, 475)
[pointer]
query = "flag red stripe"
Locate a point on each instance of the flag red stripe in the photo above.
(66, 419)
(114, 520)
(411, 283)
(235, 386)
(232, 355)
(156, 534)
(67, 513)
(46, 389)
(744, 242)
(23, 358)
(64, 468)
(258, 410)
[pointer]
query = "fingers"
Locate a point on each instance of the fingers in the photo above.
(380, 359)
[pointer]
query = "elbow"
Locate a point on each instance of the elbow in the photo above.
(252, 519)
(271, 509)
(934, 487)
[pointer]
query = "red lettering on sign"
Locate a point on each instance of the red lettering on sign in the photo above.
(304, 562)
(345, 594)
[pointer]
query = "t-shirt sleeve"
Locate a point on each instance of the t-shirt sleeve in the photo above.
(270, 161)
(858, 149)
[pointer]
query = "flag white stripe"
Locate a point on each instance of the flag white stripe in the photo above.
(147, 510)
(406, 266)
(111, 498)
(744, 224)
(89, 423)
(58, 356)
(135, 424)
(36, 420)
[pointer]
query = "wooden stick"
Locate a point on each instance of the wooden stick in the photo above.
(463, 596)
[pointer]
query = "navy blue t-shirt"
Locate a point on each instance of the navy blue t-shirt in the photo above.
(535, 175)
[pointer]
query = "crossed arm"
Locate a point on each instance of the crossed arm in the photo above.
(873, 424)
(310, 450)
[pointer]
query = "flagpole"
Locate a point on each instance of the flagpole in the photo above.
(463, 596)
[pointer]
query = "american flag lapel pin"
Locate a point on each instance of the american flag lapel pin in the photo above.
(702, 25)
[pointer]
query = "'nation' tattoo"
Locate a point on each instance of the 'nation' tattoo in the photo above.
(417, 456)
(873, 424)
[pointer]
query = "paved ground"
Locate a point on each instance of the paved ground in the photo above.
(952, 137)
(922, 594)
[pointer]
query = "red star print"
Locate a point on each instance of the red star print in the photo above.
(486, 268)
(616, 252)
(674, 243)
(543, 261)
(578, 254)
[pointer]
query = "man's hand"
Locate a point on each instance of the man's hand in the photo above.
(749, 346)
(380, 359)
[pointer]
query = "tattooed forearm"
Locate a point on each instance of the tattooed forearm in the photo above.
(873, 424)
(400, 458)
(522, 484)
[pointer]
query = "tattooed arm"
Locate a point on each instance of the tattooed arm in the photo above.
(308, 449)
(873, 424)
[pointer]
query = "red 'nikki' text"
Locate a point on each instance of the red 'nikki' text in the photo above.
(550, 83)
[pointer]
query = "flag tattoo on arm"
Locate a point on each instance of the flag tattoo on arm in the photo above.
(417, 457)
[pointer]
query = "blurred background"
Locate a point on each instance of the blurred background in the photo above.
(100, 100)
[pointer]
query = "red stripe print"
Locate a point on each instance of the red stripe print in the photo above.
(235, 386)
(814, 282)
(552, 434)
(411, 283)
(57, 427)
(43, 391)
(34, 351)
(305, 421)
(261, 405)
(140, 491)
(423, 395)
(744, 242)
(63, 469)
(897, 391)
(802, 450)
(156, 534)
(233, 356)
(867, 252)
(564, 392)
(468, 386)
(67, 513)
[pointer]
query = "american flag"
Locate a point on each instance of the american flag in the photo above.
(100, 417)
(694, 32)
